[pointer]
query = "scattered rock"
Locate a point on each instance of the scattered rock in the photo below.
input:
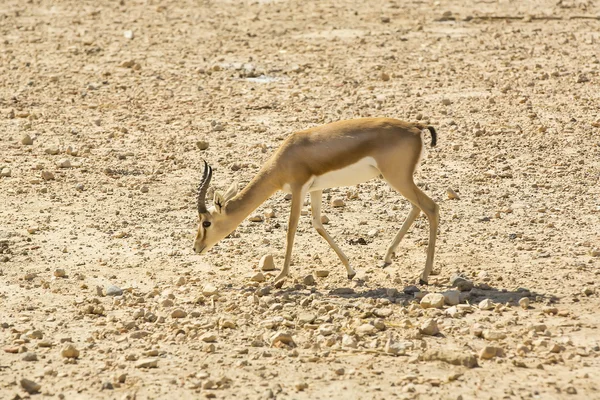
(338, 202)
(258, 277)
(461, 283)
(446, 101)
(321, 273)
(454, 357)
(451, 297)
(429, 327)
(5, 172)
(266, 263)
(30, 386)
(26, 140)
(60, 273)
(112, 290)
(178, 313)
(202, 144)
(432, 300)
(524, 303)
(349, 342)
(147, 363)
(47, 176)
(209, 290)
(282, 338)
(64, 163)
(486, 304)
(366, 329)
(308, 280)
(208, 337)
(69, 351)
(29, 356)
(384, 77)
(452, 195)
(394, 348)
(489, 352)
(52, 150)
(493, 334)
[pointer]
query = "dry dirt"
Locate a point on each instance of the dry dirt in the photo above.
(116, 97)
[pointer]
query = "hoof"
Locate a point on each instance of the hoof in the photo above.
(352, 275)
(422, 282)
(385, 264)
(278, 284)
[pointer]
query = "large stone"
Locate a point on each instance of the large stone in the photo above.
(432, 300)
(209, 290)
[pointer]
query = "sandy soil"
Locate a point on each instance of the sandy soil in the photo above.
(104, 107)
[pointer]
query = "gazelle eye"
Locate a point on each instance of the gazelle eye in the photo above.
(206, 224)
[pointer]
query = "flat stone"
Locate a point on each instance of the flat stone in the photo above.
(461, 283)
(341, 291)
(178, 313)
(322, 273)
(112, 290)
(306, 318)
(454, 357)
(147, 363)
(366, 329)
(382, 312)
(282, 338)
(209, 290)
(258, 277)
(493, 334)
(209, 337)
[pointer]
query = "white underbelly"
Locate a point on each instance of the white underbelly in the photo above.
(359, 172)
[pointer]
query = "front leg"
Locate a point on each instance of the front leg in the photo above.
(297, 200)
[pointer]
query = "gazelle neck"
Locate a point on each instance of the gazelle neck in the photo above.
(260, 188)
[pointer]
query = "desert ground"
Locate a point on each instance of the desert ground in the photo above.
(108, 109)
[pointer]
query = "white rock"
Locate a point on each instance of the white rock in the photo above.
(282, 337)
(64, 163)
(128, 35)
(266, 263)
(349, 342)
(337, 202)
(258, 277)
(486, 304)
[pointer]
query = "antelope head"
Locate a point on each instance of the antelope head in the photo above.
(214, 223)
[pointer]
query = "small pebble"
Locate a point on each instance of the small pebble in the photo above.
(202, 144)
(452, 195)
(321, 273)
(69, 351)
(432, 300)
(308, 280)
(30, 386)
(47, 176)
(60, 273)
(337, 202)
(524, 303)
(112, 290)
(258, 277)
(147, 363)
(26, 140)
(64, 163)
(178, 313)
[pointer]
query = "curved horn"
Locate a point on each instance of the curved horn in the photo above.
(203, 187)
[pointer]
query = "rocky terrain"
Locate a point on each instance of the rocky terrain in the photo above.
(108, 109)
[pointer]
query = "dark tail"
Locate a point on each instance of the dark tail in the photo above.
(433, 136)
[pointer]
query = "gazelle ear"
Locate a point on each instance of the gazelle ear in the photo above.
(232, 191)
(219, 201)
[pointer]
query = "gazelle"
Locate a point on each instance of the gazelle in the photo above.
(341, 153)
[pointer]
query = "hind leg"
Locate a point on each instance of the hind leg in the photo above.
(410, 218)
(316, 199)
(406, 186)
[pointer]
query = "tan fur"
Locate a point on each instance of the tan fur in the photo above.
(395, 145)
